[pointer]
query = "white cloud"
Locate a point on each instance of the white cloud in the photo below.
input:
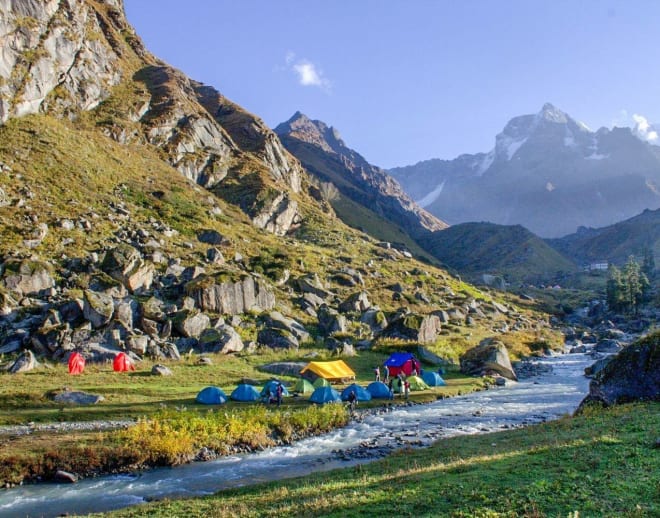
(644, 130)
(308, 73)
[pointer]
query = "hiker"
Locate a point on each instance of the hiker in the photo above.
(406, 389)
(377, 373)
(387, 374)
(352, 400)
(279, 392)
(391, 387)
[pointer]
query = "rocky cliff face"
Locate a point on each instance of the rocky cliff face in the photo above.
(323, 152)
(547, 172)
(64, 58)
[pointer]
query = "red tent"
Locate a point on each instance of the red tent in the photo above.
(76, 363)
(405, 363)
(122, 363)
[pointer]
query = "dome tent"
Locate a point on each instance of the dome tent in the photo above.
(416, 383)
(272, 387)
(320, 382)
(303, 386)
(361, 393)
(404, 363)
(324, 395)
(433, 379)
(76, 363)
(378, 390)
(245, 392)
(122, 363)
(211, 396)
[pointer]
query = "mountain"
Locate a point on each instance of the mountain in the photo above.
(67, 60)
(367, 197)
(614, 243)
(546, 172)
(142, 211)
(479, 250)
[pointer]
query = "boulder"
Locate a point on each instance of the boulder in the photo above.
(152, 309)
(190, 323)
(275, 319)
(74, 397)
(330, 321)
(125, 264)
(27, 277)
(607, 346)
(127, 313)
(419, 328)
(357, 302)
(312, 284)
(340, 347)
(375, 319)
(161, 370)
(488, 357)
(98, 308)
(277, 338)
(223, 339)
(24, 363)
(65, 477)
(598, 366)
(137, 344)
(426, 356)
(633, 374)
(231, 298)
(284, 368)
(214, 256)
(212, 237)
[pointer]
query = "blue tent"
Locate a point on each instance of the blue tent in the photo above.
(272, 386)
(324, 395)
(245, 392)
(378, 389)
(211, 396)
(433, 379)
(361, 393)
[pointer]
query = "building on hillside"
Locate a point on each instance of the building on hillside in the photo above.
(597, 266)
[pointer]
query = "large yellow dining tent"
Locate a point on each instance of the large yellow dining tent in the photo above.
(332, 371)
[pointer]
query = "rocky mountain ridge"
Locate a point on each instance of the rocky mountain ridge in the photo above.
(64, 58)
(547, 172)
(324, 154)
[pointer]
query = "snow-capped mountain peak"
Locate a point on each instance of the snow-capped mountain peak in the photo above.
(646, 131)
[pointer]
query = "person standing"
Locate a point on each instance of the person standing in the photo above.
(279, 392)
(377, 373)
(352, 400)
(406, 389)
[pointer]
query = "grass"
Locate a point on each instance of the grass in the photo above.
(171, 426)
(602, 463)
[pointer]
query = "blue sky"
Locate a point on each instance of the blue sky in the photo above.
(409, 80)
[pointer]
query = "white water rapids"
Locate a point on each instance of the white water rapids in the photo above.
(530, 401)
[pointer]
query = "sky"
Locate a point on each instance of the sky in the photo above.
(409, 80)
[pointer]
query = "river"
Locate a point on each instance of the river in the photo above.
(530, 401)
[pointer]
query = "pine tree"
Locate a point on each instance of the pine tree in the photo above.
(615, 289)
(648, 263)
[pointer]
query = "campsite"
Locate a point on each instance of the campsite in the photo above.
(133, 395)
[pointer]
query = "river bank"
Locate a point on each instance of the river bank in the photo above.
(527, 402)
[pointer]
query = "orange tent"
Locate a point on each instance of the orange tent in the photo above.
(122, 363)
(76, 363)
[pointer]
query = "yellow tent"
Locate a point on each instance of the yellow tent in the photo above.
(332, 371)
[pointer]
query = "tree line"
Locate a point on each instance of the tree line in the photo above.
(628, 288)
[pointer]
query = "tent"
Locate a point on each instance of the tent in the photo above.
(397, 387)
(324, 395)
(76, 363)
(433, 379)
(122, 363)
(378, 389)
(416, 383)
(303, 386)
(402, 363)
(332, 371)
(361, 393)
(245, 392)
(272, 386)
(321, 382)
(211, 396)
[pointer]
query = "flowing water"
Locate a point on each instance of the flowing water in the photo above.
(530, 401)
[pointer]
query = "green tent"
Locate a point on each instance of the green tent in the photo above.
(416, 383)
(397, 388)
(303, 386)
(321, 382)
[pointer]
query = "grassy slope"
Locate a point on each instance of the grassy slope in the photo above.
(600, 464)
(512, 251)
